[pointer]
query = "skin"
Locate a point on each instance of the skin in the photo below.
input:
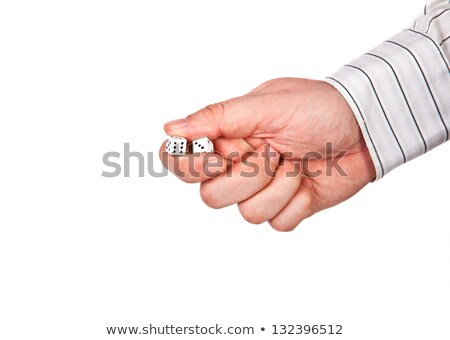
(291, 118)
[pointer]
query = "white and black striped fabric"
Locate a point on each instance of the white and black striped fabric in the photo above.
(400, 90)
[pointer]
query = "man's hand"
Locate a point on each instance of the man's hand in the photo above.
(280, 128)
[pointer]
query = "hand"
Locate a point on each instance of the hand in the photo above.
(294, 119)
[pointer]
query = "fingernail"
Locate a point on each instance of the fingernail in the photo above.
(177, 124)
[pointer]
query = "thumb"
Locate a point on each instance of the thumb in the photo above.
(234, 118)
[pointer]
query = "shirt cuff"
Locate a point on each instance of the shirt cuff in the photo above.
(400, 95)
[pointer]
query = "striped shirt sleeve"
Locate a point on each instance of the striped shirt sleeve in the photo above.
(400, 90)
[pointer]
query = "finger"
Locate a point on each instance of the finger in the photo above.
(232, 149)
(255, 142)
(298, 208)
(243, 179)
(268, 202)
(235, 118)
(193, 168)
(235, 149)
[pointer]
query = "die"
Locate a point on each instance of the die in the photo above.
(176, 146)
(202, 145)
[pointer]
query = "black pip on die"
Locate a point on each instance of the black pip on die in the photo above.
(176, 145)
(202, 145)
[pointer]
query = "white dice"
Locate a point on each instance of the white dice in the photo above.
(202, 145)
(176, 145)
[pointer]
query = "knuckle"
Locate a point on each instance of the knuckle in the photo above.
(209, 196)
(262, 87)
(263, 177)
(212, 114)
(189, 180)
(270, 85)
(251, 213)
(271, 82)
(216, 109)
(282, 227)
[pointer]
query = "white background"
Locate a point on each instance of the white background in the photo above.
(79, 252)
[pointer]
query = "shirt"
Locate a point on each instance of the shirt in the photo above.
(400, 90)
